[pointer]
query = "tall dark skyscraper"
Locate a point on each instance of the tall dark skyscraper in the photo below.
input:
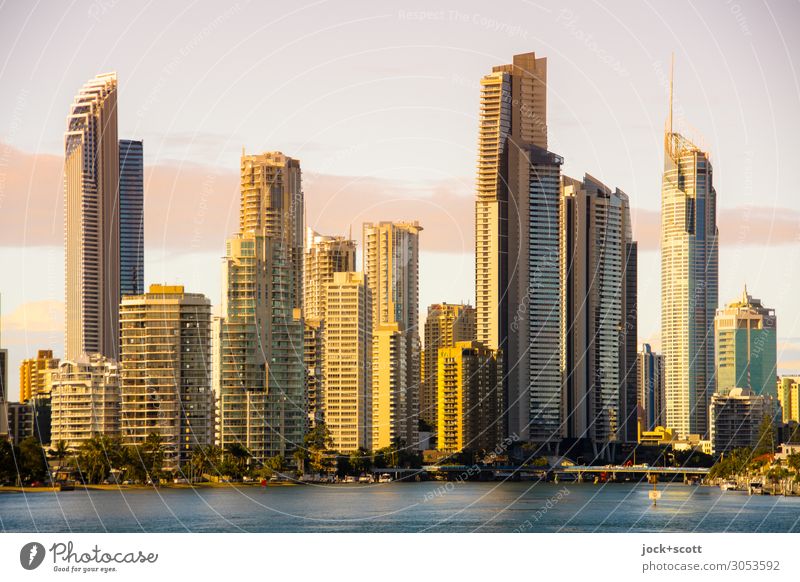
(131, 217)
(517, 293)
(599, 302)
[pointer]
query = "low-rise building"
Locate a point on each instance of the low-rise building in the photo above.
(735, 417)
(85, 400)
(20, 421)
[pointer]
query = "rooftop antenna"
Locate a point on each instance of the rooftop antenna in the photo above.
(671, 76)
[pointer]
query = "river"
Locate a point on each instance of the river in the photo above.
(402, 507)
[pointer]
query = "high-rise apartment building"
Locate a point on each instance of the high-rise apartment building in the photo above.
(92, 220)
(131, 217)
(689, 282)
(165, 362)
(391, 269)
(517, 245)
(651, 388)
(789, 398)
(390, 406)
(598, 312)
(746, 346)
(85, 400)
(470, 398)
(446, 325)
(36, 375)
(347, 374)
(272, 204)
(324, 256)
(262, 400)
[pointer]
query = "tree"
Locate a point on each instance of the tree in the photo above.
(766, 437)
(8, 462)
(60, 451)
(274, 466)
(93, 460)
(204, 460)
(152, 454)
(32, 461)
(360, 461)
(318, 442)
(239, 455)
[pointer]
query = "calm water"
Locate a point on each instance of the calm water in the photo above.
(403, 507)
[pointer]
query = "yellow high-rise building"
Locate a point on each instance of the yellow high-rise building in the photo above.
(445, 325)
(36, 375)
(789, 398)
(389, 381)
(470, 398)
(391, 271)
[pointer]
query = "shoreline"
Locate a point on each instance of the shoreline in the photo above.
(113, 487)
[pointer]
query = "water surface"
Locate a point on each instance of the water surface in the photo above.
(402, 507)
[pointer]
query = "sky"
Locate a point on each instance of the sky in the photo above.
(379, 102)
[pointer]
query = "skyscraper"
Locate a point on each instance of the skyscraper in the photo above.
(391, 268)
(689, 281)
(262, 377)
(651, 388)
(272, 203)
(165, 370)
(445, 325)
(746, 346)
(324, 256)
(517, 290)
(92, 243)
(347, 353)
(596, 248)
(131, 217)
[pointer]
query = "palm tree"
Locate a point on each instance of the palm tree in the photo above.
(239, 453)
(60, 452)
(153, 456)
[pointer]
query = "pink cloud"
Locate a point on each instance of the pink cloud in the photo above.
(192, 207)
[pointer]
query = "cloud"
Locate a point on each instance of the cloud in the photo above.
(193, 207)
(35, 317)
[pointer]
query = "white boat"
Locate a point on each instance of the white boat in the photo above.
(385, 478)
(728, 486)
(349, 479)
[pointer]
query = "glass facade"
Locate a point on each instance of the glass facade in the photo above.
(131, 217)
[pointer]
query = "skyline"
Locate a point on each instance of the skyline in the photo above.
(349, 157)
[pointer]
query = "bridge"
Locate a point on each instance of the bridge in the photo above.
(579, 470)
